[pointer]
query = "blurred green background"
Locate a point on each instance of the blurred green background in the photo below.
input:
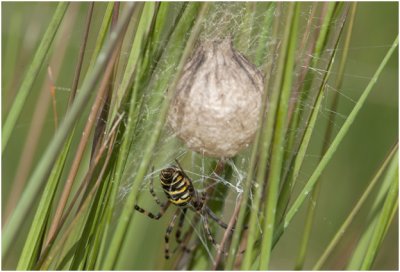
(359, 156)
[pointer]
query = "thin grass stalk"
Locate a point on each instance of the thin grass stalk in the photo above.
(392, 214)
(335, 240)
(328, 135)
(82, 245)
(306, 48)
(227, 233)
(38, 119)
(298, 162)
(160, 27)
(76, 163)
(89, 228)
(96, 246)
(101, 34)
(262, 143)
(48, 255)
(288, 51)
(102, 115)
(246, 28)
(82, 51)
(335, 143)
(261, 51)
(372, 218)
(358, 254)
(385, 215)
(306, 78)
(137, 50)
(33, 243)
(51, 237)
(120, 164)
(44, 166)
(253, 160)
(117, 239)
(84, 259)
(328, 9)
(301, 147)
(31, 75)
(135, 58)
(133, 69)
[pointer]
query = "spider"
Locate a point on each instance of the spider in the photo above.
(179, 190)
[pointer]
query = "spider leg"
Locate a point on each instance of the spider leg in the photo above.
(180, 225)
(219, 221)
(164, 206)
(209, 235)
(168, 233)
(183, 171)
(215, 217)
(178, 233)
(157, 216)
(151, 188)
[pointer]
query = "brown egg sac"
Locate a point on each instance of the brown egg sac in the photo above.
(217, 103)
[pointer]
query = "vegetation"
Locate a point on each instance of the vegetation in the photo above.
(86, 93)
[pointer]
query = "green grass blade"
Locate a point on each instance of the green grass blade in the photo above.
(92, 225)
(279, 135)
(32, 73)
(300, 144)
(262, 144)
(31, 249)
(328, 135)
(137, 50)
(265, 130)
(385, 216)
(261, 46)
(338, 139)
(39, 175)
(101, 36)
(127, 138)
(354, 211)
(359, 253)
(117, 239)
(318, 50)
(300, 159)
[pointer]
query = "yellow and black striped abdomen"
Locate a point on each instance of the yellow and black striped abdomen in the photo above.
(177, 186)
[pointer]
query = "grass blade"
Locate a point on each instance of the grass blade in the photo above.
(385, 215)
(32, 73)
(333, 147)
(39, 175)
(355, 210)
(35, 237)
(288, 52)
(117, 240)
(328, 135)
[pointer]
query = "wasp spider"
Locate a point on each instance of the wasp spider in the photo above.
(180, 192)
